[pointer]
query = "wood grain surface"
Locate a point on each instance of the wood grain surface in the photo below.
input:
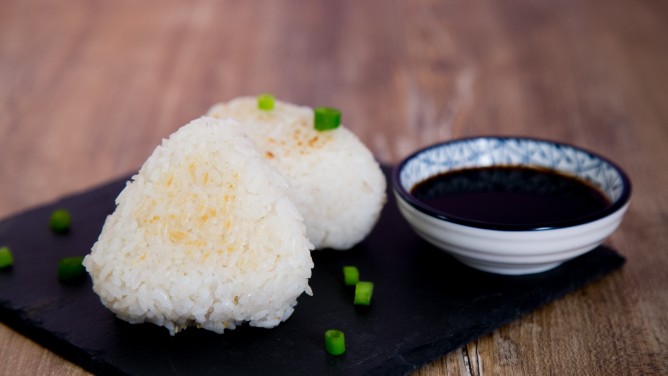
(88, 89)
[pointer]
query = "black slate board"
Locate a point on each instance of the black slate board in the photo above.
(425, 304)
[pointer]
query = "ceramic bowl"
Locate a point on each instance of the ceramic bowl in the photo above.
(511, 249)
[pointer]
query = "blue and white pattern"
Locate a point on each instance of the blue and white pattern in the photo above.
(483, 152)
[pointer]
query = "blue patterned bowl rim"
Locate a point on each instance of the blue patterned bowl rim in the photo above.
(512, 151)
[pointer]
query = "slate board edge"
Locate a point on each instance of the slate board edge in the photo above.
(395, 363)
(18, 321)
(70, 196)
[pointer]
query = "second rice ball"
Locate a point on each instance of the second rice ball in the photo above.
(335, 182)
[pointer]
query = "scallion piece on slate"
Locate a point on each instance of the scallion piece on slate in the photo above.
(335, 342)
(6, 258)
(265, 102)
(60, 221)
(326, 118)
(70, 268)
(363, 293)
(350, 275)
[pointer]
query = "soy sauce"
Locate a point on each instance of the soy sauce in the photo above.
(512, 195)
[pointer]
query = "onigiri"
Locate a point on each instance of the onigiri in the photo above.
(335, 182)
(204, 235)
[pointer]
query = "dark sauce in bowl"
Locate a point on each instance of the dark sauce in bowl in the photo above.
(510, 195)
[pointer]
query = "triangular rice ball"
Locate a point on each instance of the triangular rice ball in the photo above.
(203, 235)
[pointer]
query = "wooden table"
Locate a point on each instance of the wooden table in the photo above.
(89, 88)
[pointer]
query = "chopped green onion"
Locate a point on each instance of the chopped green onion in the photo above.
(70, 268)
(265, 102)
(6, 258)
(363, 293)
(60, 221)
(326, 118)
(335, 342)
(350, 275)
